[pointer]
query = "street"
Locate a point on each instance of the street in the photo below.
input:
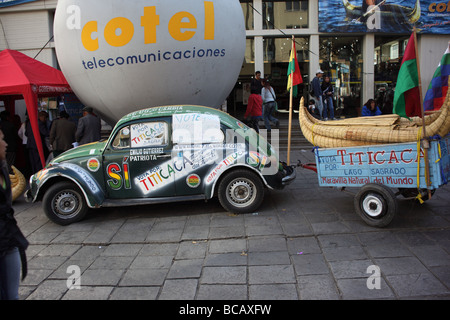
(305, 243)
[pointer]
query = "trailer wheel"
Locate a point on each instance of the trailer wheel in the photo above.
(376, 204)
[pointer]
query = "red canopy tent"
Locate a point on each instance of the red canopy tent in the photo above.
(22, 77)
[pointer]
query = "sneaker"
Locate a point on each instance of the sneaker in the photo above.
(326, 119)
(334, 119)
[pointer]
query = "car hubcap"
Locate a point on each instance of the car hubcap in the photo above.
(241, 192)
(373, 205)
(66, 203)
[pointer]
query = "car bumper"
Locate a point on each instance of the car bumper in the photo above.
(291, 174)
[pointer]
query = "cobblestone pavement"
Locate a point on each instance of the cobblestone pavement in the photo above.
(304, 243)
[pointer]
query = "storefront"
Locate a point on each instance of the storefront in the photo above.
(360, 51)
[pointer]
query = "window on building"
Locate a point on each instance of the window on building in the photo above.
(341, 59)
(281, 14)
(387, 59)
(276, 59)
(247, 9)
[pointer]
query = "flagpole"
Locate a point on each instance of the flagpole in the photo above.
(426, 144)
(290, 111)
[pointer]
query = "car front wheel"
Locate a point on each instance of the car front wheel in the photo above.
(241, 191)
(64, 203)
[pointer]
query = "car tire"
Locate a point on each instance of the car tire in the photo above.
(376, 205)
(64, 203)
(241, 191)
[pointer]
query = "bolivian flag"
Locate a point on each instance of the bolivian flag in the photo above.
(294, 75)
(407, 97)
(437, 90)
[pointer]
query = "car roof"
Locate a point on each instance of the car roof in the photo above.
(164, 111)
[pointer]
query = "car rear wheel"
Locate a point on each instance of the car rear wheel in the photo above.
(64, 203)
(241, 191)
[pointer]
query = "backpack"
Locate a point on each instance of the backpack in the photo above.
(311, 89)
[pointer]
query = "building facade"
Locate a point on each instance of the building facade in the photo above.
(359, 47)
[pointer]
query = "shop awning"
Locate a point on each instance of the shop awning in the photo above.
(22, 76)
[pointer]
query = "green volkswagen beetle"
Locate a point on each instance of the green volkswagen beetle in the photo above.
(162, 154)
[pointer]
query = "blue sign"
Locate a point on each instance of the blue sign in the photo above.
(386, 16)
(7, 3)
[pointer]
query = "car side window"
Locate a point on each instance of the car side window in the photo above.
(146, 134)
(122, 139)
(143, 134)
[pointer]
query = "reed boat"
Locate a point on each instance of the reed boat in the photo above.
(392, 12)
(18, 183)
(381, 129)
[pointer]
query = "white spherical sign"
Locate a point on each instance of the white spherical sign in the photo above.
(121, 56)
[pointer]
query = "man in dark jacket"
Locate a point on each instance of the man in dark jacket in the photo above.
(317, 90)
(89, 127)
(62, 134)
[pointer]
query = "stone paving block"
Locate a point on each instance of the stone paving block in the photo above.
(338, 240)
(305, 245)
(271, 274)
(401, 265)
(159, 249)
(179, 289)
(443, 274)
(226, 232)
(121, 250)
(224, 275)
(432, 256)
(268, 258)
(384, 251)
(49, 290)
(152, 262)
(356, 289)
(195, 233)
(88, 253)
(143, 277)
(192, 250)
(88, 293)
(224, 246)
(48, 262)
(164, 235)
(330, 227)
(181, 269)
(267, 243)
(297, 229)
(412, 239)
(226, 259)
(345, 253)
(351, 269)
(317, 287)
(416, 285)
(36, 276)
(134, 293)
(262, 230)
(108, 262)
(101, 277)
(222, 292)
(71, 237)
(273, 292)
(309, 264)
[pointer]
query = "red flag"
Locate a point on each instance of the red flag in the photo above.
(407, 96)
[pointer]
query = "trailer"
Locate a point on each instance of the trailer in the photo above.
(378, 170)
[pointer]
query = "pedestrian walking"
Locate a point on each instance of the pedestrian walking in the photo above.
(316, 91)
(12, 241)
(269, 100)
